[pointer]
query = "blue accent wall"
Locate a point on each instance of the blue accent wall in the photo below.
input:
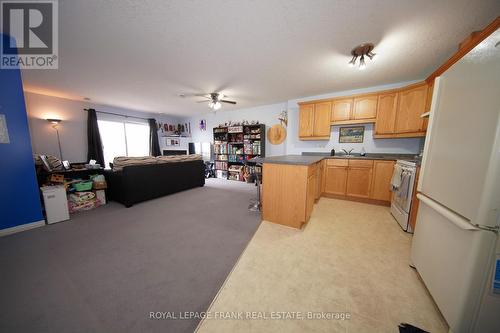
(19, 194)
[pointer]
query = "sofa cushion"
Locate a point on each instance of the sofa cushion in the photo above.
(123, 161)
(178, 158)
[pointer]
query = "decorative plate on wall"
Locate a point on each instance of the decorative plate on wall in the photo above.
(276, 134)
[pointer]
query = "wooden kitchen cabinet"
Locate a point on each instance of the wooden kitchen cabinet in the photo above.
(319, 179)
(311, 194)
(430, 91)
(336, 176)
(359, 178)
(428, 102)
(285, 194)
(364, 179)
(411, 106)
(341, 110)
(365, 107)
(289, 193)
(386, 113)
(396, 113)
(321, 126)
(381, 183)
(314, 121)
(306, 120)
(399, 111)
(356, 110)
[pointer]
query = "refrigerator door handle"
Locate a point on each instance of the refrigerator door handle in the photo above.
(453, 217)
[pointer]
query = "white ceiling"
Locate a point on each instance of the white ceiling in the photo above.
(142, 54)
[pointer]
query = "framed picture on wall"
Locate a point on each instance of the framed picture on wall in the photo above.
(354, 134)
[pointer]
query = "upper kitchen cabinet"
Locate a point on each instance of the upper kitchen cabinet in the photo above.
(341, 110)
(430, 90)
(322, 125)
(365, 107)
(356, 110)
(306, 120)
(396, 113)
(411, 107)
(428, 102)
(399, 112)
(386, 113)
(314, 121)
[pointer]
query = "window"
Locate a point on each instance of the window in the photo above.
(204, 149)
(123, 138)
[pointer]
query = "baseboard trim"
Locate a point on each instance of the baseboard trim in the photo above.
(363, 200)
(22, 227)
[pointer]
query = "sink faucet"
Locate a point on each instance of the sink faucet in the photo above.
(348, 153)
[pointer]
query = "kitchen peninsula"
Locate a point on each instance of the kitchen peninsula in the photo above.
(293, 183)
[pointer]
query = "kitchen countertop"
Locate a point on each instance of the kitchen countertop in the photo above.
(293, 159)
(311, 158)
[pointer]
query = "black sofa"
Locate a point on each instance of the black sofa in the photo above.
(137, 183)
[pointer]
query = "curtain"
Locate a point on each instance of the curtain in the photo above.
(154, 144)
(94, 143)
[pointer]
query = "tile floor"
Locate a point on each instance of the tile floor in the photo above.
(351, 258)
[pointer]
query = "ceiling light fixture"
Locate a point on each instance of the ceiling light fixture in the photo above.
(215, 105)
(360, 52)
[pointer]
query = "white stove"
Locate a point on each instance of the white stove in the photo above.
(403, 182)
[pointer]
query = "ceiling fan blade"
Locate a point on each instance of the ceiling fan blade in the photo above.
(203, 101)
(226, 101)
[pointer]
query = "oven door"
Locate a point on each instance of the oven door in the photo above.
(403, 201)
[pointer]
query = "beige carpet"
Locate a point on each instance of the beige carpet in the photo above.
(351, 258)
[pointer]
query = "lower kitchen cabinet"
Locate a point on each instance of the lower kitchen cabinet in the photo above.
(359, 178)
(319, 179)
(289, 193)
(381, 183)
(336, 176)
(311, 194)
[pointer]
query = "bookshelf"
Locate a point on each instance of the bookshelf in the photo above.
(233, 145)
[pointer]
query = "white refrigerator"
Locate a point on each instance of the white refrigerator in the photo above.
(455, 247)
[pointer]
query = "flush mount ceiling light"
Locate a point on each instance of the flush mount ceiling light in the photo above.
(360, 52)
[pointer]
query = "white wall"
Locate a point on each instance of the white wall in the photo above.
(73, 128)
(267, 114)
(74, 138)
(296, 146)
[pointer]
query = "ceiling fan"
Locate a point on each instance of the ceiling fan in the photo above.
(214, 100)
